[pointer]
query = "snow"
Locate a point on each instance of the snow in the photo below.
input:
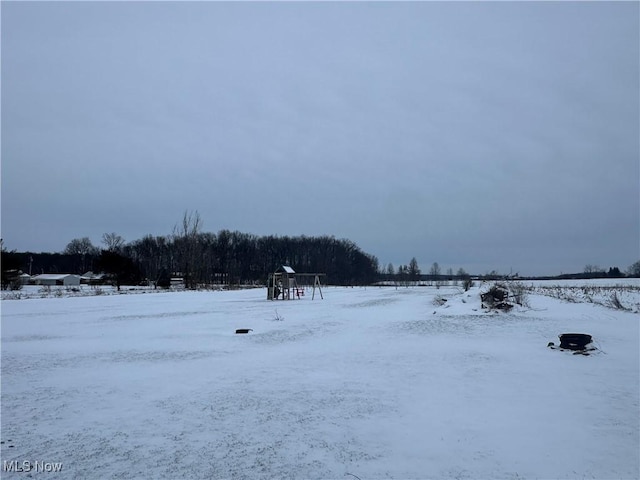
(371, 382)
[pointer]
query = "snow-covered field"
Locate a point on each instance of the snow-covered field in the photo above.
(369, 383)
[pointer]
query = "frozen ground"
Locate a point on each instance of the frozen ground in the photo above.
(376, 383)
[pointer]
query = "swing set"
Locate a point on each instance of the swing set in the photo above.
(286, 284)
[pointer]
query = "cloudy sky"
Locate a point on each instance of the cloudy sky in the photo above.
(479, 135)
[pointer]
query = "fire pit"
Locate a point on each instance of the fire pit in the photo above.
(574, 341)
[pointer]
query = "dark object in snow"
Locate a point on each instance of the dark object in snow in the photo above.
(586, 351)
(439, 301)
(496, 294)
(574, 341)
(503, 306)
(496, 298)
(244, 330)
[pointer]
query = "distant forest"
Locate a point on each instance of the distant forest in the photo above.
(204, 258)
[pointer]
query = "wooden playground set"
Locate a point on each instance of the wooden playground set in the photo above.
(286, 284)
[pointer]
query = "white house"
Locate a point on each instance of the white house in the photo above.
(66, 279)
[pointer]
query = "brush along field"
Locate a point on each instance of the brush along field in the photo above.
(368, 382)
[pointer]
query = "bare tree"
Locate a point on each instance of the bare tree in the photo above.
(592, 269)
(461, 273)
(391, 274)
(185, 238)
(434, 273)
(465, 277)
(403, 275)
(112, 241)
(82, 247)
(414, 270)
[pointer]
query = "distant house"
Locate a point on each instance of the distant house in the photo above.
(91, 278)
(52, 279)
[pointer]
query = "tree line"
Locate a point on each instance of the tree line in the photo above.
(204, 258)
(232, 257)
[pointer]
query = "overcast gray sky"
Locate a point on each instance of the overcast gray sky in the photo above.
(478, 135)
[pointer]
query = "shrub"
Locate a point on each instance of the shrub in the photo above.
(518, 292)
(438, 301)
(15, 284)
(615, 302)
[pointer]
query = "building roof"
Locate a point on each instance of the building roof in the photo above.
(286, 269)
(53, 276)
(92, 276)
